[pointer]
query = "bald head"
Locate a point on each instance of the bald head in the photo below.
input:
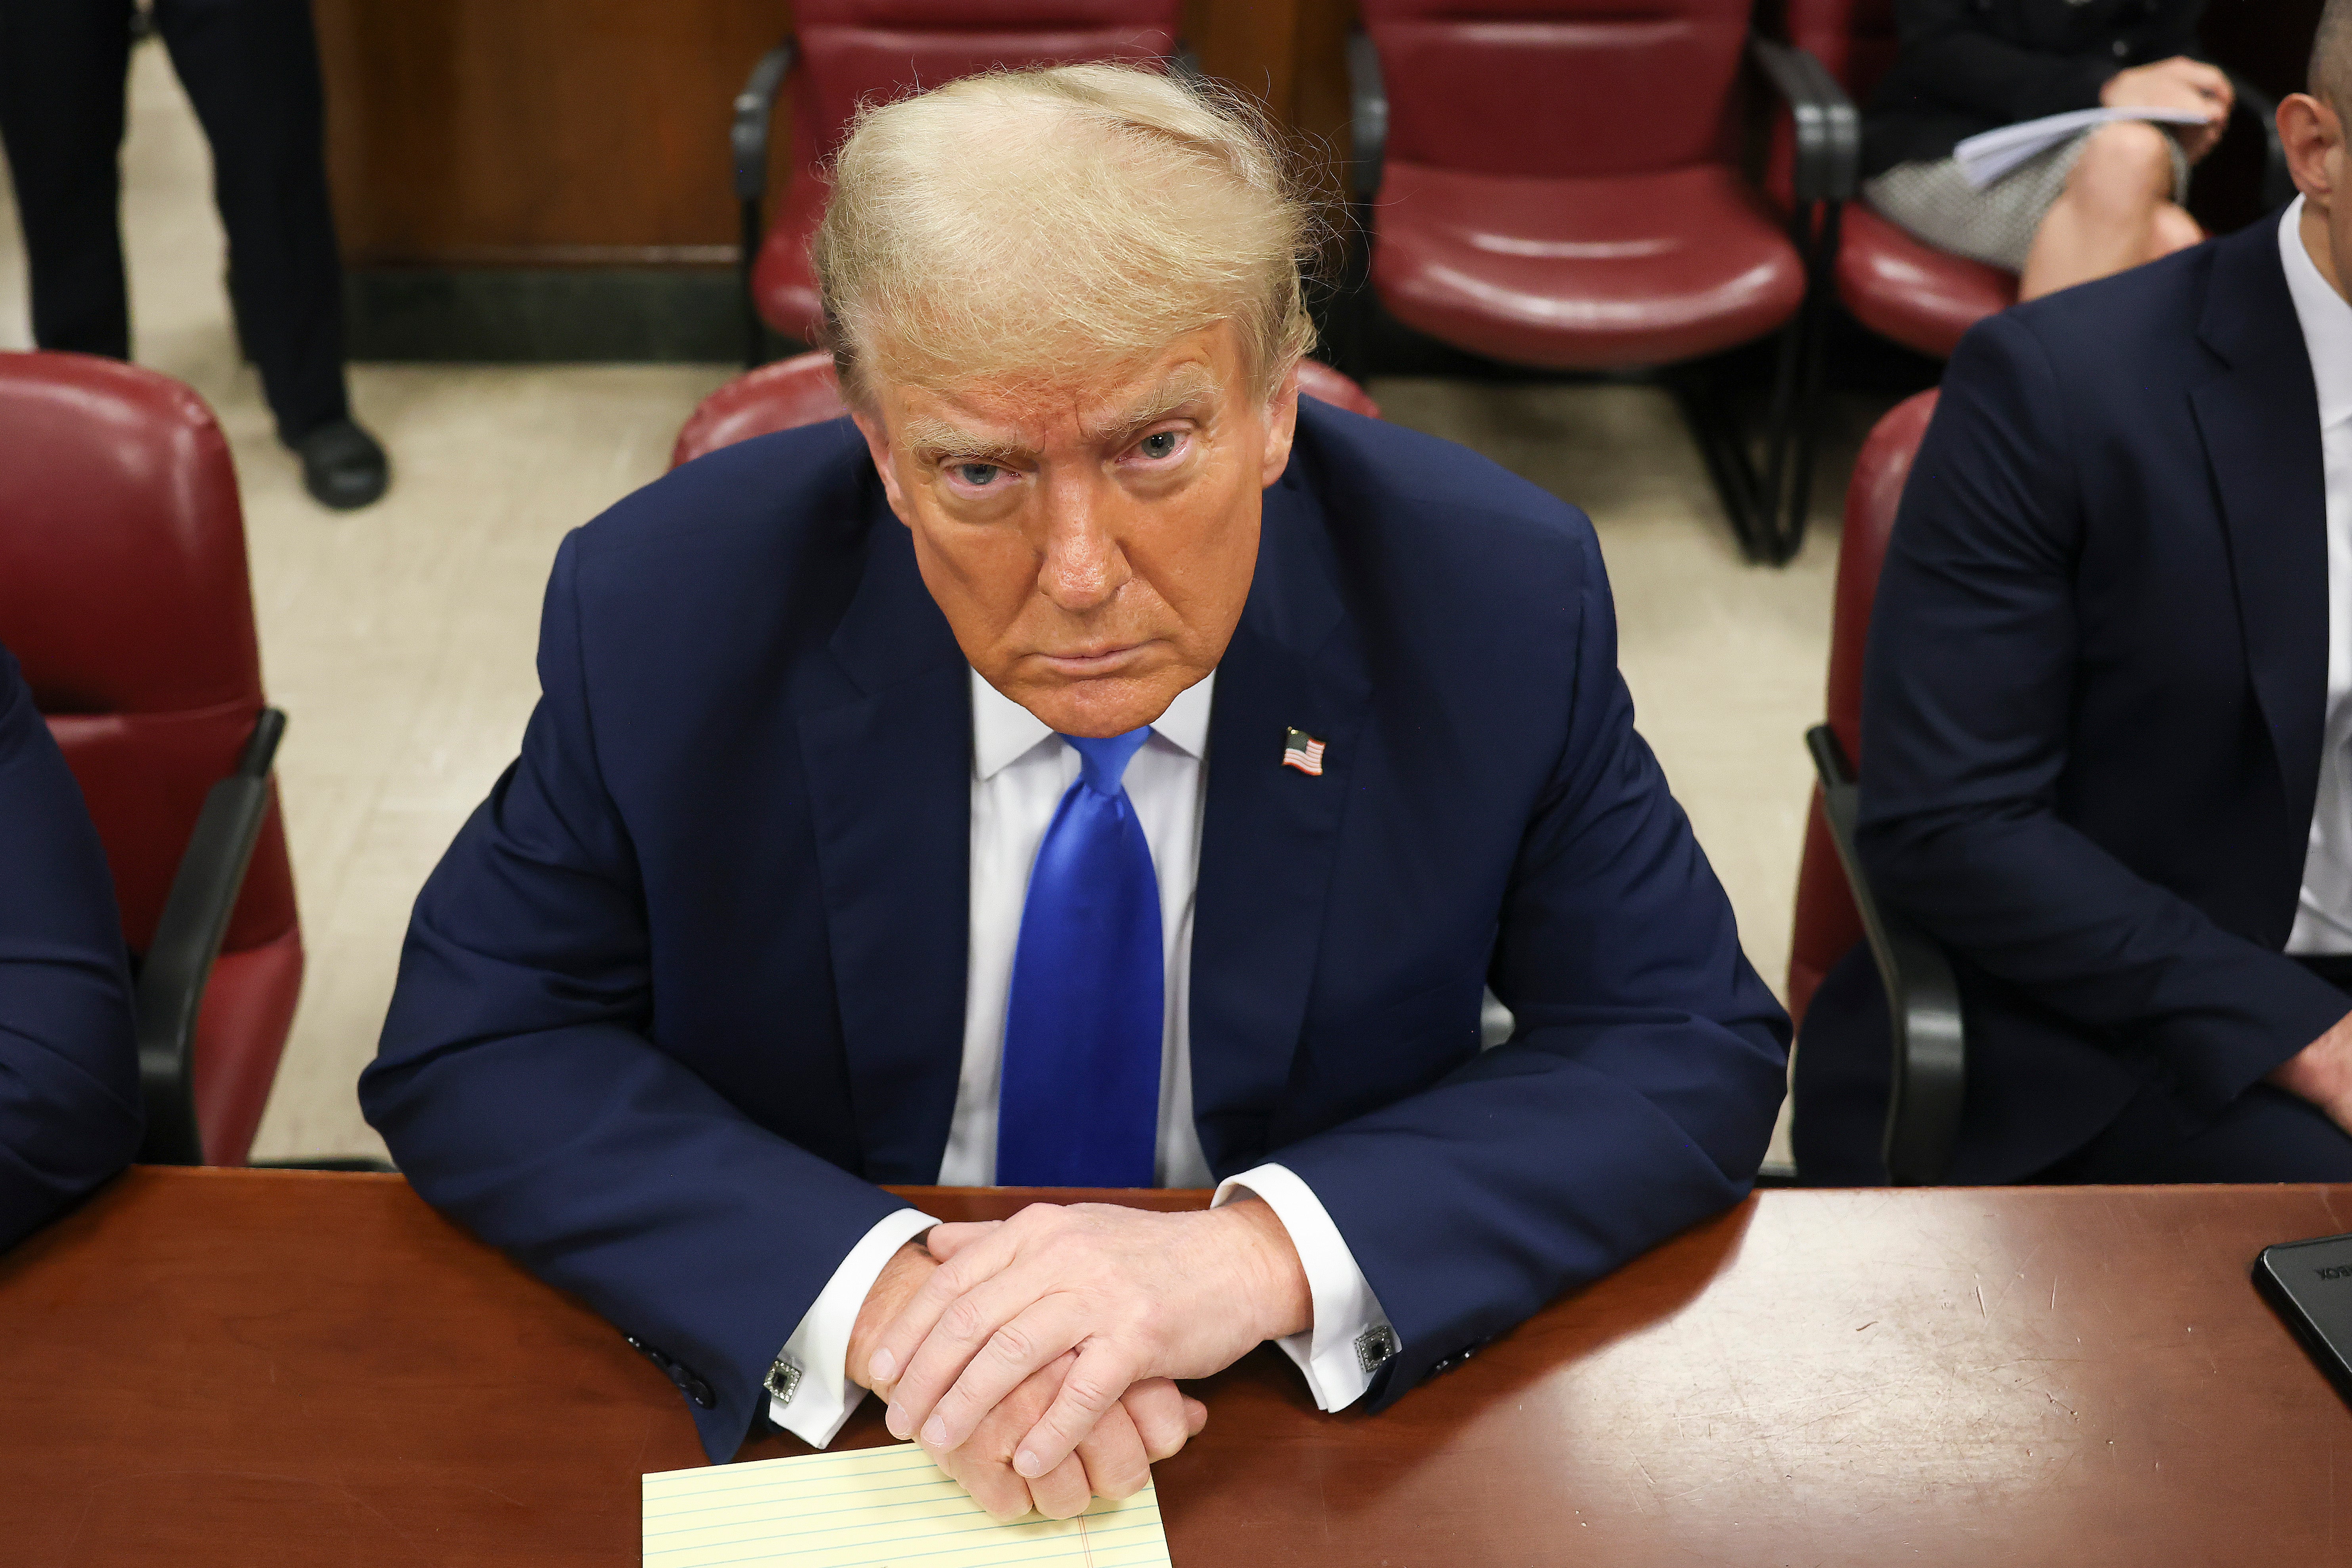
(2331, 57)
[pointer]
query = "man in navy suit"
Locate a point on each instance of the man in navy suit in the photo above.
(1089, 767)
(2107, 718)
(69, 1109)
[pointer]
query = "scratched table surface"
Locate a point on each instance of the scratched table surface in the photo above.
(253, 1368)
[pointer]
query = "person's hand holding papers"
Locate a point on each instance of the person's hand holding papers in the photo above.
(1138, 1296)
(2177, 83)
(1149, 1421)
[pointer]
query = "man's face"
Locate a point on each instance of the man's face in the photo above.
(1090, 544)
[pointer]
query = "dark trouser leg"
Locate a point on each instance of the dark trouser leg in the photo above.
(2265, 1135)
(251, 68)
(61, 88)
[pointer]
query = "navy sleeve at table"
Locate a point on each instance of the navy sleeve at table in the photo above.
(69, 1113)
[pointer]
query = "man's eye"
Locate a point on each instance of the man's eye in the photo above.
(979, 475)
(1163, 444)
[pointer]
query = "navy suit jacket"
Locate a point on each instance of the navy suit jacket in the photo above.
(2092, 714)
(69, 1109)
(691, 982)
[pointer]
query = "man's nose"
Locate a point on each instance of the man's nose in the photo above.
(1084, 563)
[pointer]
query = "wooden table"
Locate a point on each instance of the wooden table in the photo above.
(258, 1368)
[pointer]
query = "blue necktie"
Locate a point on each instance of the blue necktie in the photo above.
(1079, 1105)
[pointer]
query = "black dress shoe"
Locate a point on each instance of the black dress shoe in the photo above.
(343, 466)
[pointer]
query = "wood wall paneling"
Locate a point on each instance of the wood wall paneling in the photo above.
(536, 133)
(551, 178)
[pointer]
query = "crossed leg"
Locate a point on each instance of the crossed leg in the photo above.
(2115, 213)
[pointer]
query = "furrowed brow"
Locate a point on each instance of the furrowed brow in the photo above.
(1188, 383)
(937, 441)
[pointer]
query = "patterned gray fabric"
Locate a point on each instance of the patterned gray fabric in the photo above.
(1935, 202)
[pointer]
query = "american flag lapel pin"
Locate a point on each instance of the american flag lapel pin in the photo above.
(1303, 751)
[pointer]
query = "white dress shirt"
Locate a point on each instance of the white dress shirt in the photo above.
(1021, 770)
(2322, 921)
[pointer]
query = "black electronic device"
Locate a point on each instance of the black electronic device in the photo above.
(2309, 1283)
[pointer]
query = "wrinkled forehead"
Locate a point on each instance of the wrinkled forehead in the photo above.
(1031, 414)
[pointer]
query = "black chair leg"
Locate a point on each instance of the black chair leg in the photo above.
(1821, 303)
(1783, 524)
(1715, 426)
(1793, 432)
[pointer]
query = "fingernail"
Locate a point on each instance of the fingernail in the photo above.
(895, 1419)
(936, 1434)
(882, 1366)
(1026, 1463)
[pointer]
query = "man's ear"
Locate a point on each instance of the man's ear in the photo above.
(2310, 130)
(1281, 428)
(877, 447)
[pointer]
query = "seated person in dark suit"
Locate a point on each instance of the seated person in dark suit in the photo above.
(70, 1108)
(2102, 200)
(1092, 766)
(2106, 723)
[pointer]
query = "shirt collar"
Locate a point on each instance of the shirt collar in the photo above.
(2326, 320)
(1003, 731)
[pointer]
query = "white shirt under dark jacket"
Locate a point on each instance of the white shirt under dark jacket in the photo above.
(1020, 770)
(2322, 921)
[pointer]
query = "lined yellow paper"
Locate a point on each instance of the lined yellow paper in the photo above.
(874, 1507)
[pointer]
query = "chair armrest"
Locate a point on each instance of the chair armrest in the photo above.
(178, 964)
(1368, 116)
(2278, 181)
(747, 137)
(755, 114)
(1929, 1081)
(1829, 127)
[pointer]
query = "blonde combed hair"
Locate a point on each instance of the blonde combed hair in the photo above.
(1048, 224)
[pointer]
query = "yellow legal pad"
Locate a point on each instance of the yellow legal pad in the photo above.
(874, 1507)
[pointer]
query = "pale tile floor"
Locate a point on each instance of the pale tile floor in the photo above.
(399, 639)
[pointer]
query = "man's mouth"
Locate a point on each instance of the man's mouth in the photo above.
(1102, 659)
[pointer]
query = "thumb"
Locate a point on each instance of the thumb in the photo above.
(1196, 1416)
(944, 1241)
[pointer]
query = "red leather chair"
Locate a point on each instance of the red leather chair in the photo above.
(123, 593)
(804, 390)
(1826, 924)
(1898, 287)
(1557, 185)
(1835, 908)
(845, 52)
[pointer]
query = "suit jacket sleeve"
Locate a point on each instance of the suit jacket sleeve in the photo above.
(1966, 713)
(520, 1088)
(70, 1108)
(1636, 1096)
(1952, 59)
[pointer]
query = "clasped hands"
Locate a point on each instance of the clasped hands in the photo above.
(1034, 1358)
(2322, 1073)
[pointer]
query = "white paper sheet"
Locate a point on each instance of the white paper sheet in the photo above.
(1985, 157)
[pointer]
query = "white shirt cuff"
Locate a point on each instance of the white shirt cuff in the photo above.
(822, 1396)
(1350, 1337)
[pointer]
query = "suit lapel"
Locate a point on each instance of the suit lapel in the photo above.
(888, 750)
(2260, 423)
(1269, 832)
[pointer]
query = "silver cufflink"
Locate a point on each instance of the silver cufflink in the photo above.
(784, 1381)
(1375, 1347)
